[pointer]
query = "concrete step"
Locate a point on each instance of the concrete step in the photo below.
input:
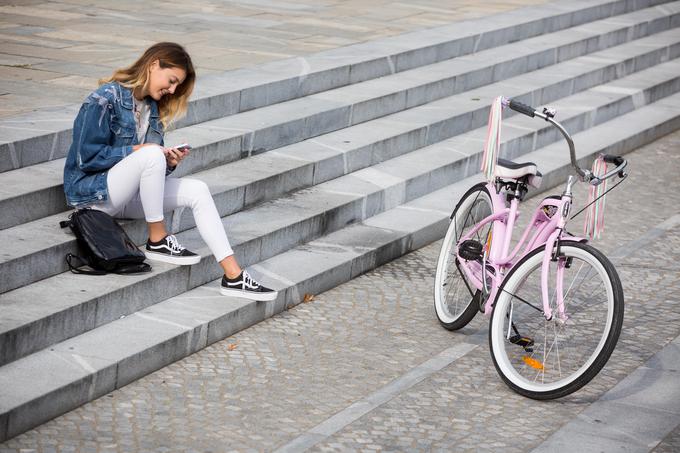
(92, 364)
(264, 177)
(273, 227)
(227, 139)
(46, 134)
(33, 192)
(298, 77)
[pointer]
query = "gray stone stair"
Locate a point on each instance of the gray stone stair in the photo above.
(349, 198)
(33, 138)
(319, 177)
(262, 177)
(227, 139)
(115, 354)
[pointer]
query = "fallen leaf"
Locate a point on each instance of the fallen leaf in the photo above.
(232, 346)
(308, 298)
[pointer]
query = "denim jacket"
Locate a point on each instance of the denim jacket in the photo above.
(104, 132)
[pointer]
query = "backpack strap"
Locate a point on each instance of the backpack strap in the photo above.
(75, 270)
(135, 268)
(69, 222)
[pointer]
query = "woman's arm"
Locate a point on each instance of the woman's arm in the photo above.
(92, 135)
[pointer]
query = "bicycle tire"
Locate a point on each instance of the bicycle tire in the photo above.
(454, 301)
(587, 338)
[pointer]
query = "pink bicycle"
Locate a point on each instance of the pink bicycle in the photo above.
(556, 307)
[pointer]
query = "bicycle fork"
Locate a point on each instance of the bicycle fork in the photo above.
(552, 254)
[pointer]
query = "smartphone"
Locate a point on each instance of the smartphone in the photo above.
(184, 147)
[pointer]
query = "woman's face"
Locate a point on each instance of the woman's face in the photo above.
(164, 81)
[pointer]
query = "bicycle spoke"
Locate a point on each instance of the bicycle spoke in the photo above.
(462, 277)
(449, 290)
(552, 344)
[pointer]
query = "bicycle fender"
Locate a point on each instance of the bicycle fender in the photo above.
(545, 272)
(566, 236)
(475, 187)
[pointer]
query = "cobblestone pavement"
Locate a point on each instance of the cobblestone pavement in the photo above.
(268, 385)
(62, 47)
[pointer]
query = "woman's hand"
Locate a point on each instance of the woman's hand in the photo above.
(174, 156)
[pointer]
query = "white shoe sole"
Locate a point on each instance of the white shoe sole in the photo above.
(248, 295)
(180, 260)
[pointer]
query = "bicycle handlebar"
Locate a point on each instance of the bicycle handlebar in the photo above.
(620, 163)
(586, 175)
(522, 108)
(616, 160)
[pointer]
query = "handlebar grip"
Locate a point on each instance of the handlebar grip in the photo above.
(522, 108)
(616, 160)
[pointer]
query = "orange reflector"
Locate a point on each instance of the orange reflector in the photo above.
(533, 363)
(488, 241)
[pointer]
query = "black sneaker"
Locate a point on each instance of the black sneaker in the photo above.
(245, 286)
(169, 250)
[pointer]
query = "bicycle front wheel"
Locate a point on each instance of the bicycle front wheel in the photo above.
(544, 359)
(456, 301)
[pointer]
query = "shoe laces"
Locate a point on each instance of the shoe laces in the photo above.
(174, 243)
(248, 281)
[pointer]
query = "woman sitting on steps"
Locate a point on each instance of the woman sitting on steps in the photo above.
(118, 164)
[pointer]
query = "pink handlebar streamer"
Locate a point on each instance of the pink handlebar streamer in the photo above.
(594, 223)
(493, 139)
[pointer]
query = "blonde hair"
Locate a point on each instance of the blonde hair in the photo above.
(169, 55)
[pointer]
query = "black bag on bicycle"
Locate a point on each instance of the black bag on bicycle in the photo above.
(105, 245)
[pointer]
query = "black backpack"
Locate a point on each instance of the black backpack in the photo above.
(105, 245)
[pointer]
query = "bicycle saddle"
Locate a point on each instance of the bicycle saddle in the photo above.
(507, 169)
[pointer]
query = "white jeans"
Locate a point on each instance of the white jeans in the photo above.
(138, 189)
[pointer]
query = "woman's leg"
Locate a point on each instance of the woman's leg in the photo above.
(230, 267)
(196, 195)
(137, 184)
(193, 194)
(139, 178)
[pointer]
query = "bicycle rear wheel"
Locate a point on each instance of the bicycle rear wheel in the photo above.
(544, 359)
(456, 301)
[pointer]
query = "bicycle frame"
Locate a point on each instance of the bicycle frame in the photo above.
(505, 279)
(548, 230)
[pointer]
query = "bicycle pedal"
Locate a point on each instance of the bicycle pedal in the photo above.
(524, 342)
(470, 250)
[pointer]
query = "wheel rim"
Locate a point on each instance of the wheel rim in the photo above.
(452, 293)
(561, 353)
